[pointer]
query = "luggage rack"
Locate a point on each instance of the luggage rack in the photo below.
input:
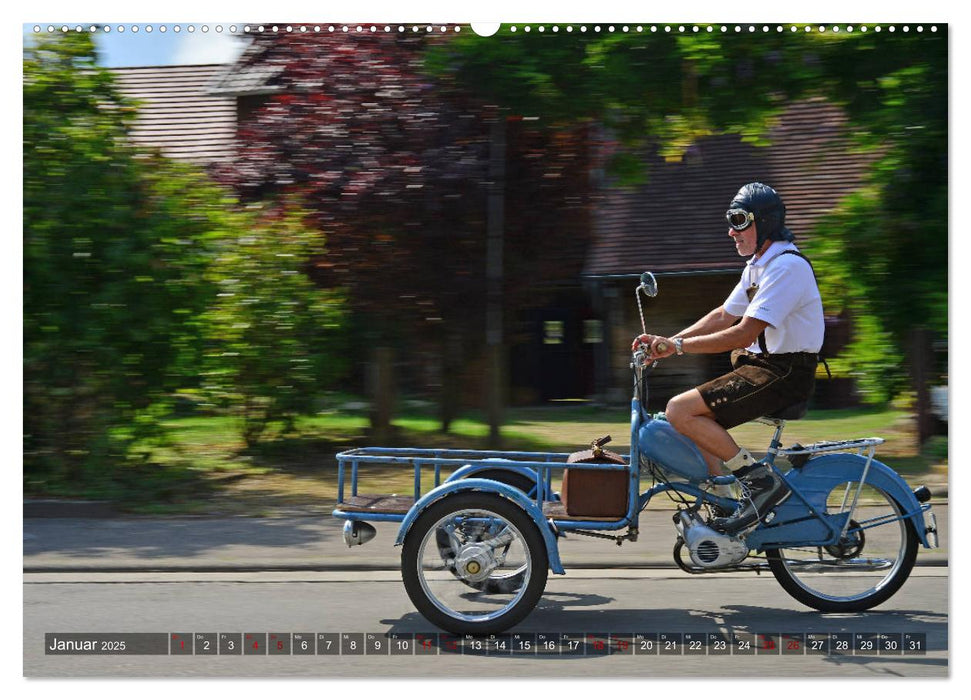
(394, 507)
(861, 444)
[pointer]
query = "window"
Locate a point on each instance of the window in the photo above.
(593, 330)
(552, 332)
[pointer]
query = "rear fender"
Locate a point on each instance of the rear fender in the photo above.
(470, 470)
(492, 487)
(813, 482)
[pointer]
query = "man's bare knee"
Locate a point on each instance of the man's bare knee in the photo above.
(679, 411)
(689, 415)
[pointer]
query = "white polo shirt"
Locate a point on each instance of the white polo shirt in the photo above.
(787, 299)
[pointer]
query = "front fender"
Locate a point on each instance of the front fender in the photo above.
(492, 487)
(812, 484)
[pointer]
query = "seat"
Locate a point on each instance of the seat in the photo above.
(793, 412)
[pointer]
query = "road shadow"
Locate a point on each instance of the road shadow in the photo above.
(182, 538)
(571, 630)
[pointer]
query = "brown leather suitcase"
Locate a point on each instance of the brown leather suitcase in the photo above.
(595, 492)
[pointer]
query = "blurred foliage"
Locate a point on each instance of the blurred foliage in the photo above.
(125, 256)
(384, 166)
(394, 166)
(884, 255)
(863, 270)
(667, 88)
(273, 338)
(142, 278)
(885, 249)
(114, 252)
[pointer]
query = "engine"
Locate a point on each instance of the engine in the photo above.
(708, 548)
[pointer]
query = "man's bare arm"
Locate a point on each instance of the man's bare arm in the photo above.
(712, 322)
(740, 336)
(731, 338)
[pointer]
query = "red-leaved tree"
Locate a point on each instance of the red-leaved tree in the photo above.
(394, 166)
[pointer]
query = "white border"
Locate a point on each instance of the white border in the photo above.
(508, 11)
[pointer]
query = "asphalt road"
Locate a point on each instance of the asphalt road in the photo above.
(291, 573)
(590, 601)
(312, 542)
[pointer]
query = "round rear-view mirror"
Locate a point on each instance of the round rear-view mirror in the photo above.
(648, 284)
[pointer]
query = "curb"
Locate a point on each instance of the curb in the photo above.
(311, 568)
(103, 510)
(54, 508)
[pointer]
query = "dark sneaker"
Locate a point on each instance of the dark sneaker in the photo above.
(762, 490)
(719, 512)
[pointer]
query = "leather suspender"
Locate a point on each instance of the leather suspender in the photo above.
(762, 345)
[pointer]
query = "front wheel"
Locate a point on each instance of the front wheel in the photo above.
(868, 565)
(492, 539)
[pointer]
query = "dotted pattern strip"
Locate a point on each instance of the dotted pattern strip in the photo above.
(681, 29)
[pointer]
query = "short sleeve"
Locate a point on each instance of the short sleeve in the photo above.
(737, 301)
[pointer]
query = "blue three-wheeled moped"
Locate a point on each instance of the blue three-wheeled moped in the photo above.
(477, 547)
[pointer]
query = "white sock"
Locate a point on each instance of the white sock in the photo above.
(742, 459)
(722, 490)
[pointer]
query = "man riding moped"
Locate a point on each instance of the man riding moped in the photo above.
(477, 548)
(773, 323)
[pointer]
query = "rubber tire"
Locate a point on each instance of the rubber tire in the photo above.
(786, 580)
(510, 478)
(500, 506)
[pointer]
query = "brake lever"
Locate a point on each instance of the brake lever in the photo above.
(643, 357)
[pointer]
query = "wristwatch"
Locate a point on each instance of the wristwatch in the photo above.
(679, 346)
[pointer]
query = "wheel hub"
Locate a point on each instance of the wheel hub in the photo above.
(849, 545)
(475, 563)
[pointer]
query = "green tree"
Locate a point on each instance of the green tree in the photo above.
(886, 248)
(138, 271)
(273, 339)
(115, 246)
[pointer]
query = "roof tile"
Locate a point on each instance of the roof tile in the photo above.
(675, 222)
(177, 112)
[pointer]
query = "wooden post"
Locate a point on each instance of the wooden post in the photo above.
(921, 367)
(495, 216)
(382, 393)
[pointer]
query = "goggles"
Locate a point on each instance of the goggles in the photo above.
(739, 219)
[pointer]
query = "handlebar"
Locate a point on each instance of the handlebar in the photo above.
(643, 355)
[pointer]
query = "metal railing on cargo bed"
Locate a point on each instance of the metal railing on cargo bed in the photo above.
(430, 463)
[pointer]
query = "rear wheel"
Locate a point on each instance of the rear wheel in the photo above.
(869, 564)
(496, 571)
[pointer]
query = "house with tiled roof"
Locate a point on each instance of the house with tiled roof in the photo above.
(672, 225)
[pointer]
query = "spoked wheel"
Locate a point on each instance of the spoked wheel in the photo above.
(493, 572)
(867, 566)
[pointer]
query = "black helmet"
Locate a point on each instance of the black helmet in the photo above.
(763, 205)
